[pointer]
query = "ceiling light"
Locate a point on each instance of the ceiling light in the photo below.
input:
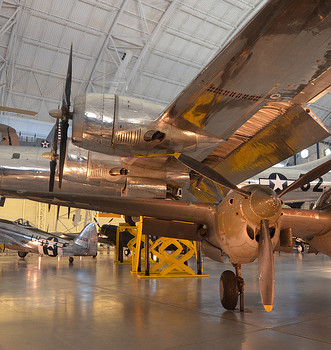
(304, 153)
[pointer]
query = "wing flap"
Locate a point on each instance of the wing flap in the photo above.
(255, 147)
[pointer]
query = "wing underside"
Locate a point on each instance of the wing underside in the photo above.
(283, 54)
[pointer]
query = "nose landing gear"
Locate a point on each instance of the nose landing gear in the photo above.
(232, 286)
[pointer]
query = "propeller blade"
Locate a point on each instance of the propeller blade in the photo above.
(52, 165)
(57, 214)
(209, 173)
(66, 115)
(96, 221)
(56, 136)
(63, 148)
(54, 156)
(310, 176)
(67, 88)
(266, 267)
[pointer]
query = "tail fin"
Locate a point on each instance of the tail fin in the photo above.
(88, 238)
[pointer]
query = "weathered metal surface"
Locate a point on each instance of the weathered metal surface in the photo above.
(282, 51)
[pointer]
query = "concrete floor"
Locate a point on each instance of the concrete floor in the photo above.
(94, 304)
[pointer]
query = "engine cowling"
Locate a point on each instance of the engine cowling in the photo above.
(122, 177)
(124, 126)
(239, 232)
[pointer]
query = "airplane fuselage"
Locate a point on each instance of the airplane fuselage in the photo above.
(279, 178)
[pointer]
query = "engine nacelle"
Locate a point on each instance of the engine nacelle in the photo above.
(124, 126)
(239, 232)
(122, 177)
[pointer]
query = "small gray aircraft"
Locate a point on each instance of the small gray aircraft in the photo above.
(245, 112)
(28, 239)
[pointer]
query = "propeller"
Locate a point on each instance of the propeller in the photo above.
(64, 114)
(266, 266)
(308, 177)
(265, 249)
(209, 173)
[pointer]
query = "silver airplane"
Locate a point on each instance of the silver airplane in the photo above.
(279, 178)
(28, 239)
(244, 113)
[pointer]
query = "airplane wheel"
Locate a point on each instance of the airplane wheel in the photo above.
(71, 259)
(300, 248)
(229, 290)
(127, 252)
(132, 220)
(22, 255)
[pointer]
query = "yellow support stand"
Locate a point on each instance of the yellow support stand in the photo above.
(133, 230)
(132, 244)
(169, 263)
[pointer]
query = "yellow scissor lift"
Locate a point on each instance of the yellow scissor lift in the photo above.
(169, 263)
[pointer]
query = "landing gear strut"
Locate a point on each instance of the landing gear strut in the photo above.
(232, 286)
(241, 284)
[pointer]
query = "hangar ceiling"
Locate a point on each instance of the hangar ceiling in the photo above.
(144, 48)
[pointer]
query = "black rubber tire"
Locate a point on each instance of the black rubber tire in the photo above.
(131, 220)
(301, 248)
(22, 255)
(126, 251)
(71, 259)
(229, 290)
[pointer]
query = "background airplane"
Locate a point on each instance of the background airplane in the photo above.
(237, 118)
(27, 239)
(279, 178)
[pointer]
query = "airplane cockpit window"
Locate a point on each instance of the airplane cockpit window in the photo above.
(324, 201)
(16, 156)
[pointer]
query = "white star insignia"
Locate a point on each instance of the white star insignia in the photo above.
(279, 184)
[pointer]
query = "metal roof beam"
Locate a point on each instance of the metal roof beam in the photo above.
(104, 45)
(168, 12)
(171, 57)
(42, 72)
(165, 79)
(63, 21)
(7, 68)
(35, 97)
(51, 47)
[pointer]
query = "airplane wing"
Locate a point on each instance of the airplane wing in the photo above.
(10, 240)
(251, 94)
(199, 213)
